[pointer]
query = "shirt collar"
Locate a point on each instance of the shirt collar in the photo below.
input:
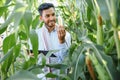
(55, 29)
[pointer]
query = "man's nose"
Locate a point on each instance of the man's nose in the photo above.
(51, 17)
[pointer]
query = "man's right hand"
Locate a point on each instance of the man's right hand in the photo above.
(61, 34)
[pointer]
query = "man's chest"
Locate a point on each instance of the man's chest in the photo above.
(49, 40)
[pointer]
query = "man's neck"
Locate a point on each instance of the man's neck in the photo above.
(50, 29)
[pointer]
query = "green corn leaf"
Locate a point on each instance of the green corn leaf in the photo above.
(79, 62)
(3, 9)
(7, 2)
(9, 42)
(4, 26)
(23, 75)
(17, 50)
(17, 18)
(103, 9)
(57, 66)
(102, 73)
(34, 42)
(35, 22)
(90, 4)
(6, 55)
(50, 75)
(105, 60)
(27, 20)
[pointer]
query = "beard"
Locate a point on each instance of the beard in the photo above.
(51, 23)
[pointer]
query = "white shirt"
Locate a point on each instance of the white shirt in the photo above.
(53, 42)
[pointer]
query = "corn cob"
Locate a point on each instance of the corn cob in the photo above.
(90, 67)
(60, 22)
(102, 74)
(100, 38)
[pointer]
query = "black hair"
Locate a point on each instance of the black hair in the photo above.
(44, 6)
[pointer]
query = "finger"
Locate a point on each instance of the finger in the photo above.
(61, 26)
(62, 30)
(59, 33)
(62, 33)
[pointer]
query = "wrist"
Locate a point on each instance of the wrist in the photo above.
(61, 41)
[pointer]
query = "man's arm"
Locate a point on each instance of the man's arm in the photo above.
(63, 47)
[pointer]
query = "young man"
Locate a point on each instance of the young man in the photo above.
(52, 36)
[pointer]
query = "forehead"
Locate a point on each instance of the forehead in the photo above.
(48, 11)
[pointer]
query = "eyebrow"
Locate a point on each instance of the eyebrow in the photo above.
(51, 14)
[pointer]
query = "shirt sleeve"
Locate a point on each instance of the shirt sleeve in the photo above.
(67, 42)
(63, 49)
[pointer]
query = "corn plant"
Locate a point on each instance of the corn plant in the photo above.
(19, 19)
(95, 50)
(91, 20)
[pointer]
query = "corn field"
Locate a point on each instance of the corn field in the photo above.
(95, 29)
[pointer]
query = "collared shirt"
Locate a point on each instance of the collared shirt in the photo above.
(53, 42)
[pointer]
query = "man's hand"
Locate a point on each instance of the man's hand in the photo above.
(61, 34)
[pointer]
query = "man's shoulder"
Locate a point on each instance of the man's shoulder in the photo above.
(38, 30)
(67, 33)
(68, 36)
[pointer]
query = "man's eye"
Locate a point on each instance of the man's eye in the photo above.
(53, 14)
(47, 16)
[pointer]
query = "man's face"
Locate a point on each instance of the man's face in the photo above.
(49, 18)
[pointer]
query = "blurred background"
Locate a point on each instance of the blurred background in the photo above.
(93, 24)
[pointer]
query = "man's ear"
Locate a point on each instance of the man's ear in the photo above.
(41, 18)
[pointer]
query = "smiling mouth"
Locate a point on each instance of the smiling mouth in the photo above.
(52, 22)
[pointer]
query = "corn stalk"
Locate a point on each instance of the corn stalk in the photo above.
(112, 7)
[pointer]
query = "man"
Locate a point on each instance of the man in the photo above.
(52, 36)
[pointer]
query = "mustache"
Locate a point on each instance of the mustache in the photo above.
(52, 21)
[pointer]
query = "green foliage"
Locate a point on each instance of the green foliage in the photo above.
(7, 55)
(102, 75)
(93, 24)
(21, 75)
(34, 42)
(20, 18)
